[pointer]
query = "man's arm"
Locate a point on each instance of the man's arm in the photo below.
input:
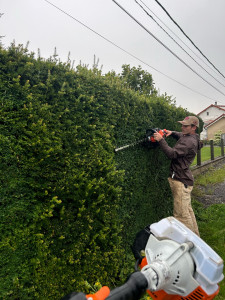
(174, 134)
(177, 151)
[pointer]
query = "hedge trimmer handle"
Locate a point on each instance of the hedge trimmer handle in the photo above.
(132, 289)
(150, 132)
(102, 294)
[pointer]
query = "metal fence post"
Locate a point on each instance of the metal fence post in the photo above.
(222, 147)
(199, 157)
(212, 149)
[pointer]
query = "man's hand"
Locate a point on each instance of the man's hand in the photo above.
(168, 133)
(157, 136)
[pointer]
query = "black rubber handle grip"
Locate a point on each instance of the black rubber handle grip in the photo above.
(133, 289)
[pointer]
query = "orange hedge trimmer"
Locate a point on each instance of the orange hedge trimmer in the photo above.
(148, 140)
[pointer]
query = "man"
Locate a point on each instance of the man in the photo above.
(181, 179)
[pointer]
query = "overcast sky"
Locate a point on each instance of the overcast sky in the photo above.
(46, 27)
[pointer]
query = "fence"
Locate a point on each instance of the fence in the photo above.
(212, 152)
(203, 166)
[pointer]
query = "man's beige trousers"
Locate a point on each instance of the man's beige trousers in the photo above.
(182, 209)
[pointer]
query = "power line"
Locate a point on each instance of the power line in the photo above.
(209, 66)
(178, 43)
(174, 54)
(187, 36)
(130, 54)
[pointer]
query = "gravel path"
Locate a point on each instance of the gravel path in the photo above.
(212, 194)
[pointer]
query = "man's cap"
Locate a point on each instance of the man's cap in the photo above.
(190, 120)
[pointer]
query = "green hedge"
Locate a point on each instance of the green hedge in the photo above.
(70, 206)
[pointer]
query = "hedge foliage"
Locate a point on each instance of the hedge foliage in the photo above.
(70, 206)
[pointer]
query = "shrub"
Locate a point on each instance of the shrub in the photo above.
(70, 205)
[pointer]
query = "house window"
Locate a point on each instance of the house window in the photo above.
(207, 113)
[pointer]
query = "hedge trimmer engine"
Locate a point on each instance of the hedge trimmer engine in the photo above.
(177, 265)
(147, 141)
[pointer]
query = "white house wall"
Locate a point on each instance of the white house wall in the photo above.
(210, 114)
(203, 134)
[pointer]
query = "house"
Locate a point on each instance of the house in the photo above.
(214, 121)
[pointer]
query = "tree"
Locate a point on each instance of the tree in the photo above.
(1, 36)
(138, 79)
(217, 137)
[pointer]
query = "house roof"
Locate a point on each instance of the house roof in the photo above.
(208, 121)
(222, 107)
(214, 121)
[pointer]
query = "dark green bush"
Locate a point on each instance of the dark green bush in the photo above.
(70, 206)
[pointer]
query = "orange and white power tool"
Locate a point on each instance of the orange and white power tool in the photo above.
(181, 266)
(178, 265)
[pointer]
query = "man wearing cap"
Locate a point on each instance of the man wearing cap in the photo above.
(181, 179)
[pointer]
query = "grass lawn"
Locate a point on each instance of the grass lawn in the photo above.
(212, 230)
(206, 154)
(211, 220)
